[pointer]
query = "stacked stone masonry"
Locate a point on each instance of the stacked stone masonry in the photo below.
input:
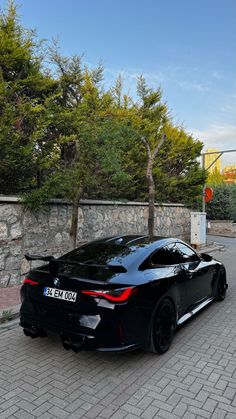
(47, 231)
(223, 228)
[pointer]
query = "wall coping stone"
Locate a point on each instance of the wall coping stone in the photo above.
(17, 200)
(221, 221)
(49, 229)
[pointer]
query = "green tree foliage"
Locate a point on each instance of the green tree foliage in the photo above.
(176, 172)
(91, 134)
(66, 136)
(223, 204)
(232, 206)
(25, 93)
(180, 175)
(215, 178)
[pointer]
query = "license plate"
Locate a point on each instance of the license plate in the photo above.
(60, 294)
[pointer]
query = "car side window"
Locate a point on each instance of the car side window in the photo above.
(162, 256)
(184, 254)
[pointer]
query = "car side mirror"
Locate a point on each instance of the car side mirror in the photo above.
(194, 264)
(206, 257)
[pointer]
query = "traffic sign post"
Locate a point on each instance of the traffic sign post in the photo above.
(205, 196)
(218, 155)
(208, 194)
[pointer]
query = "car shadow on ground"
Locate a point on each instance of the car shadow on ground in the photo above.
(52, 343)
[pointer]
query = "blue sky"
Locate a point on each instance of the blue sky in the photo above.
(187, 47)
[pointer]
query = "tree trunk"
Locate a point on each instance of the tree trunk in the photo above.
(151, 185)
(74, 219)
(38, 177)
(151, 199)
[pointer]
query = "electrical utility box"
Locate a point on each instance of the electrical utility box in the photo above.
(198, 228)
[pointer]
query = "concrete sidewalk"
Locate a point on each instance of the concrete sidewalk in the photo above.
(10, 297)
(10, 300)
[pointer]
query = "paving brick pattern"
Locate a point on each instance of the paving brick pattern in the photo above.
(196, 378)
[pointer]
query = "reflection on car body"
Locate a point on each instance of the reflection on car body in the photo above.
(120, 293)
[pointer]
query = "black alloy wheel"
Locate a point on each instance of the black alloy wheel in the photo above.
(163, 327)
(221, 286)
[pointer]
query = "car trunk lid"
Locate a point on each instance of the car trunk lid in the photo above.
(61, 283)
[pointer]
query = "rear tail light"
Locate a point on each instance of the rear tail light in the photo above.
(30, 281)
(120, 295)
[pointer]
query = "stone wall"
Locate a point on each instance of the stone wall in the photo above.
(47, 231)
(223, 228)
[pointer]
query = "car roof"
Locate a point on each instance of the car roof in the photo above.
(138, 240)
(134, 249)
(134, 240)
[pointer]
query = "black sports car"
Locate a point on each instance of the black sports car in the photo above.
(120, 293)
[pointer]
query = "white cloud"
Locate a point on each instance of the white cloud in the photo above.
(217, 75)
(174, 75)
(192, 85)
(132, 75)
(219, 136)
(228, 108)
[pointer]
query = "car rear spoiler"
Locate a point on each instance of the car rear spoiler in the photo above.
(38, 257)
(53, 264)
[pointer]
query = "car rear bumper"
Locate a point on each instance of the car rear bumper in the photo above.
(71, 340)
(108, 330)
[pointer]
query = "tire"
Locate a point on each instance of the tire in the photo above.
(163, 327)
(221, 286)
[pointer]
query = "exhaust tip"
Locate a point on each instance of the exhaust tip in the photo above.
(26, 332)
(77, 347)
(68, 343)
(33, 332)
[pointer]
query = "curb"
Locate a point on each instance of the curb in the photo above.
(228, 236)
(215, 248)
(12, 324)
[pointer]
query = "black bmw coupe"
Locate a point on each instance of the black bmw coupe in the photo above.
(119, 293)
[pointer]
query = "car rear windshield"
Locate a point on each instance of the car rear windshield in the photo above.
(99, 253)
(91, 261)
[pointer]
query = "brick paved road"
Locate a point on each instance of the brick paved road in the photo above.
(195, 379)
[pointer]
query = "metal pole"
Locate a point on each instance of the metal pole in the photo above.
(218, 155)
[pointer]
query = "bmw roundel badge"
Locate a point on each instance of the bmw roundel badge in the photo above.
(56, 282)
